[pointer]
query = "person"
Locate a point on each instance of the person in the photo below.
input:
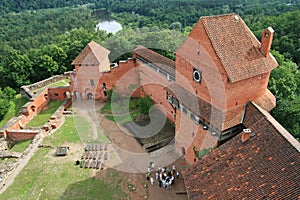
(172, 180)
(151, 180)
(152, 165)
(156, 176)
(177, 174)
(148, 176)
(159, 183)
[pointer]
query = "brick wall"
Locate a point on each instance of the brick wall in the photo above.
(20, 135)
(59, 93)
(190, 135)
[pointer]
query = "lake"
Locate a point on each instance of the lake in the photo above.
(110, 26)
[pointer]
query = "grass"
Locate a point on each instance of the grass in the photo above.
(86, 131)
(67, 133)
(15, 107)
(44, 177)
(21, 146)
(121, 108)
(41, 118)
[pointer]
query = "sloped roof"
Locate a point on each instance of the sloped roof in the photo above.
(236, 47)
(265, 167)
(92, 54)
(160, 61)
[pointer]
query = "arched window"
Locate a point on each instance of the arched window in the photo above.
(92, 82)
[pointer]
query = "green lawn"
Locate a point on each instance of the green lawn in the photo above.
(49, 177)
(14, 108)
(21, 146)
(86, 131)
(41, 118)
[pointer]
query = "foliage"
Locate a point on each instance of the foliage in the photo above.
(286, 38)
(5, 96)
(201, 153)
(285, 85)
(15, 106)
(163, 41)
(145, 104)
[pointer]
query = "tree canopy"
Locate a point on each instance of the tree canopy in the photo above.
(40, 38)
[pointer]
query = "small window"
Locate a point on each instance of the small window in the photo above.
(104, 86)
(92, 82)
(56, 94)
(197, 75)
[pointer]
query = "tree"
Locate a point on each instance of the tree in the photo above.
(5, 96)
(284, 84)
(16, 69)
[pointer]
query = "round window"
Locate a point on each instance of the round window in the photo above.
(197, 76)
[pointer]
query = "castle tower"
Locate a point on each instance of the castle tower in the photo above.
(219, 68)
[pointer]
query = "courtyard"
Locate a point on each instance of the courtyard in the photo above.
(47, 176)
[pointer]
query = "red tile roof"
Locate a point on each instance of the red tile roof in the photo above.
(160, 61)
(235, 45)
(265, 167)
(92, 54)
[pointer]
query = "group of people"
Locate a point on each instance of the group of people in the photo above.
(164, 176)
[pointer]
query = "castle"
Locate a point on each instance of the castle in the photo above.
(219, 68)
(216, 94)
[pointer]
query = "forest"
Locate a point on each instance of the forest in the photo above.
(41, 38)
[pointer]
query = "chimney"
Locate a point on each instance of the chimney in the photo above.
(246, 134)
(266, 41)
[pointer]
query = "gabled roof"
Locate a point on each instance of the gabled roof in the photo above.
(265, 167)
(235, 45)
(158, 60)
(92, 54)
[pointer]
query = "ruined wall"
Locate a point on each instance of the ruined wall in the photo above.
(27, 91)
(14, 129)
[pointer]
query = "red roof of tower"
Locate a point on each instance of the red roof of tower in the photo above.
(92, 54)
(236, 47)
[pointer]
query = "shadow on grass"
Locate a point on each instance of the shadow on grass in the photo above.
(93, 188)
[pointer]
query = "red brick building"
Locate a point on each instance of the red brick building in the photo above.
(215, 91)
(219, 68)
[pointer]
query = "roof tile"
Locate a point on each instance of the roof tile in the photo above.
(266, 166)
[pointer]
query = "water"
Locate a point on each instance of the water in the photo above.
(110, 26)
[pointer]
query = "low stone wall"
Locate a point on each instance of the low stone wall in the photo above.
(27, 90)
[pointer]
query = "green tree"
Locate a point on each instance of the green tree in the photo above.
(284, 84)
(16, 69)
(5, 96)
(145, 104)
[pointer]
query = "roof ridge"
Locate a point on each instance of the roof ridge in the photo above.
(278, 126)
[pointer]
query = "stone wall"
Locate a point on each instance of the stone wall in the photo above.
(27, 91)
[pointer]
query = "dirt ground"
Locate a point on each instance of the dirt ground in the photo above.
(137, 187)
(135, 184)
